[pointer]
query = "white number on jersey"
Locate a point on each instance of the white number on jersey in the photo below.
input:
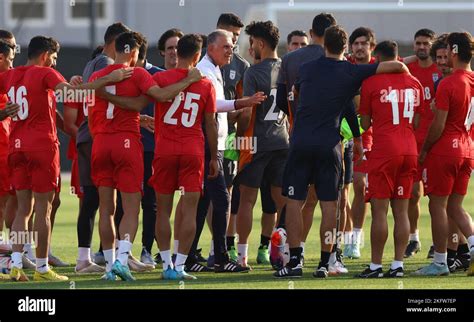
(427, 93)
(112, 89)
(470, 115)
(271, 114)
(19, 98)
(408, 107)
(187, 119)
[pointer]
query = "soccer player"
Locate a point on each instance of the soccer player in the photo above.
(117, 153)
(266, 132)
(168, 45)
(325, 86)
(390, 103)
(296, 40)
(425, 70)
(447, 153)
(34, 152)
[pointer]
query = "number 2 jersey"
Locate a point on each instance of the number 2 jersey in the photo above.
(32, 87)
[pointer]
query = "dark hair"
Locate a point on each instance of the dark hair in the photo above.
(387, 49)
(128, 41)
(5, 34)
(264, 30)
(439, 43)
(299, 33)
(464, 43)
(363, 32)
(425, 33)
(189, 45)
(5, 48)
(113, 31)
(321, 22)
(41, 44)
(97, 51)
(229, 19)
(167, 35)
(143, 49)
(335, 38)
(204, 40)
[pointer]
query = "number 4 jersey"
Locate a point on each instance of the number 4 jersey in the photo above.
(32, 87)
(178, 124)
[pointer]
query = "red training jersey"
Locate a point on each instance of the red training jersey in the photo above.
(105, 117)
(32, 87)
(4, 128)
(178, 124)
(392, 101)
(455, 95)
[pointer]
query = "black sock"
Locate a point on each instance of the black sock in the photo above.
(230, 242)
(295, 256)
(451, 256)
(85, 222)
(463, 249)
(264, 241)
(281, 222)
(324, 259)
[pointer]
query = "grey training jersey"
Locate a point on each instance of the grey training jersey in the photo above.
(99, 62)
(268, 124)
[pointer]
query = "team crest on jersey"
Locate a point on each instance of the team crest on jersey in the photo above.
(232, 74)
(435, 77)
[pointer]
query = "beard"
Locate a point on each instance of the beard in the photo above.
(421, 55)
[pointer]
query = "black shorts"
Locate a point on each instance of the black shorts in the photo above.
(348, 163)
(84, 152)
(230, 170)
(266, 164)
(320, 165)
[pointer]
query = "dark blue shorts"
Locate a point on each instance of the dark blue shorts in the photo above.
(318, 165)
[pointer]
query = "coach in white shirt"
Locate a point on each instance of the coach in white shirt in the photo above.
(219, 53)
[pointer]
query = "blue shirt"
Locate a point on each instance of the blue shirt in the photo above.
(326, 86)
(148, 138)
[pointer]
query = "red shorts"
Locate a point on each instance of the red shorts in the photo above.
(5, 184)
(443, 175)
(363, 167)
(75, 184)
(37, 171)
(391, 178)
(117, 162)
(177, 172)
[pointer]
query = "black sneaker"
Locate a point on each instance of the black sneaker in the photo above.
(197, 267)
(229, 266)
(199, 256)
(158, 258)
(431, 252)
(368, 273)
(397, 272)
(460, 263)
(413, 247)
(287, 271)
(321, 272)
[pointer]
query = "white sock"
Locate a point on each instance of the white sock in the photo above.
(332, 259)
(440, 258)
(211, 250)
(373, 266)
(415, 236)
(302, 247)
(180, 260)
(42, 265)
(17, 260)
(356, 235)
(176, 247)
(84, 254)
(243, 249)
(124, 251)
(166, 259)
(117, 246)
(109, 255)
(396, 264)
(348, 238)
(28, 249)
(470, 242)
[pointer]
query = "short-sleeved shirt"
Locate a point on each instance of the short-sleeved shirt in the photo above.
(290, 65)
(32, 87)
(178, 124)
(326, 86)
(79, 106)
(105, 117)
(391, 100)
(99, 62)
(455, 95)
(4, 128)
(427, 77)
(268, 123)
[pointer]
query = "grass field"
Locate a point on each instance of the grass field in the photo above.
(64, 243)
